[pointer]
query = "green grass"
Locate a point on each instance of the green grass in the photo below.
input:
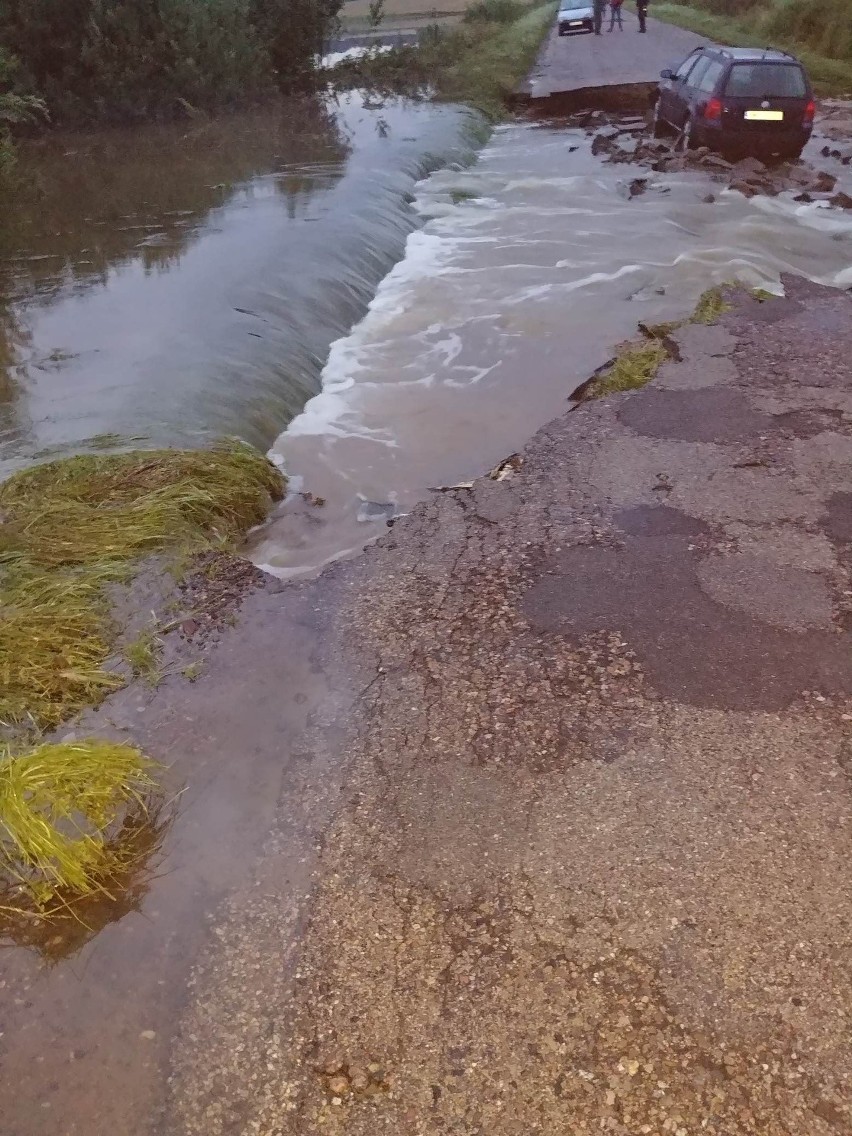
(820, 35)
(479, 62)
(638, 362)
(711, 305)
(64, 813)
(193, 671)
(634, 367)
(74, 526)
(143, 656)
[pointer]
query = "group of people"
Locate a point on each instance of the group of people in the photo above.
(615, 7)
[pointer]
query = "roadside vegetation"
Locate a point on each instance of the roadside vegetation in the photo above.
(638, 362)
(479, 61)
(15, 110)
(818, 31)
(121, 60)
(71, 815)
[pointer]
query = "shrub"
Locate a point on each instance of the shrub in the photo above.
(123, 59)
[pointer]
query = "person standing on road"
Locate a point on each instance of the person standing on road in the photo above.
(615, 14)
(600, 7)
(642, 12)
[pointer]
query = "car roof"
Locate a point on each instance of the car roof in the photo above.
(752, 54)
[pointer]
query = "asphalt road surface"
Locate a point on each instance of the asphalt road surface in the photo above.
(581, 63)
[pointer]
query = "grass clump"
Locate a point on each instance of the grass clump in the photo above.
(65, 811)
(142, 654)
(635, 366)
(762, 295)
(193, 671)
(72, 527)
(711, 305)
(54, 639)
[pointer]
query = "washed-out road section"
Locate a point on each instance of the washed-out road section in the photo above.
(556, 790)
(588, 864)
(613, 68)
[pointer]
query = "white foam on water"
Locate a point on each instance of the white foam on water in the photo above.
(513, 291)
(328, 412)
(327, 62)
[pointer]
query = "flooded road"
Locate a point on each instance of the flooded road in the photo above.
(530, 266)
(176, 283)
(194, 287)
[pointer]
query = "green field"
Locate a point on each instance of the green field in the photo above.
(818, 31)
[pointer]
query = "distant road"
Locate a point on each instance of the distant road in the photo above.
(575, 64)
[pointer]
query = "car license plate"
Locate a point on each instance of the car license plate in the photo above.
(764, 115)
(576, 24)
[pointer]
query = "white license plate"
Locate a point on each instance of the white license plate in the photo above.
(576, 24)
(764, 115)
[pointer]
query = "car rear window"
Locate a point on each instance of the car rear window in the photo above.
(766, 80)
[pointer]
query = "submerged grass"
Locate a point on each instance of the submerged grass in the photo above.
(711, 305)
(637, 363)
(143, 656)
(73, 526)
(64, 810)
(635, 366)
(75, 819)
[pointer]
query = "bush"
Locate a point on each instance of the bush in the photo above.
(124, 59)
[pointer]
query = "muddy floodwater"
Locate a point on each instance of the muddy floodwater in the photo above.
(529, 267)
(173, 284)
(355, 287)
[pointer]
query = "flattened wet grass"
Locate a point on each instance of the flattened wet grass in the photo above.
(64, 812)
(74, 526)
(638, 362)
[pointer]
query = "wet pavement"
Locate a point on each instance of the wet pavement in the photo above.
(591, 67)
(588, 871)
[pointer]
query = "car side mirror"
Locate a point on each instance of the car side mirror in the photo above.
(667, 74)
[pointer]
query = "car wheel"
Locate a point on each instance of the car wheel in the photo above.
(658, 126)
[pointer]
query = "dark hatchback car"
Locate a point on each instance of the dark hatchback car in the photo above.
(737, 100)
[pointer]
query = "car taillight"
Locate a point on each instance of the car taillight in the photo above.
(810, 111)
(713, 110)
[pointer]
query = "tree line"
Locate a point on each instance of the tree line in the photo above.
(124, 60)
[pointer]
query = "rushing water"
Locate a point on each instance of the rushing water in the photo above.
(530, 266)
(171, 284)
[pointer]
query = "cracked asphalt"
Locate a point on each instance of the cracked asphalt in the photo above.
(575, 856)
